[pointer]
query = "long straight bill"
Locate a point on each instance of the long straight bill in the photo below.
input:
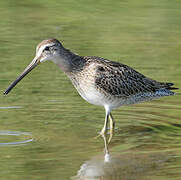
(29, 68)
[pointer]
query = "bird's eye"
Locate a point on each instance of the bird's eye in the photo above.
(47, 48)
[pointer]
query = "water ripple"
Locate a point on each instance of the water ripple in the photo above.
(11, 107)
(22, 135)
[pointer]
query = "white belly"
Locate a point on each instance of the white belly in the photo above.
(93, 96)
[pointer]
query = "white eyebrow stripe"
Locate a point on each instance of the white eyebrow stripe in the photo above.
(41, 48)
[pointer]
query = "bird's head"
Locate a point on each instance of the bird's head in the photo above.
(46, 50)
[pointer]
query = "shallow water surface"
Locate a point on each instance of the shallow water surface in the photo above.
(60, 125)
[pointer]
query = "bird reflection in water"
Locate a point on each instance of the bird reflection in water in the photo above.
(128, 166)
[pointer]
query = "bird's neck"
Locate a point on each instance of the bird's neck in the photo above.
(68, 61)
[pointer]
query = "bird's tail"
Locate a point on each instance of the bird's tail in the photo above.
(169, 86)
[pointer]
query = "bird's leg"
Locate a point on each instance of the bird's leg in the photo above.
(104, 129)
(112, 125)
(112, 122)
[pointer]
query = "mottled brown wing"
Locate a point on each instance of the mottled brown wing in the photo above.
(121, 80)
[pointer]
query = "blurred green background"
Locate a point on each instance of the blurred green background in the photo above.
(145, 35)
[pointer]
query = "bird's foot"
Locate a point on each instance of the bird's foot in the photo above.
(104, 133)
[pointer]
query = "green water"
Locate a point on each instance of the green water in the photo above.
(54, 126)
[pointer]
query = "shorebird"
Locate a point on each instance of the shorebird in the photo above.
(99, 81)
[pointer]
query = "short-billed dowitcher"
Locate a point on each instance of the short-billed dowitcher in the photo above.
(99, 81)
